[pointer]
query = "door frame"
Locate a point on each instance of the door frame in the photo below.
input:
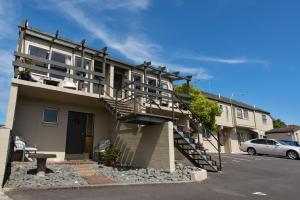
(68, 138)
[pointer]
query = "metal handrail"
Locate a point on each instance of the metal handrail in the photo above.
(202, 125)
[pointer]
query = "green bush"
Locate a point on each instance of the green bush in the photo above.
(111, 155)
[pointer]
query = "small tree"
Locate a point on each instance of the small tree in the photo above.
(277, 123)
(206, 109)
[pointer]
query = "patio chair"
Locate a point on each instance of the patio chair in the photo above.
(21, 145)
(99, 149)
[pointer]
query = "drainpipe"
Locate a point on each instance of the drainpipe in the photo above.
(255, 125)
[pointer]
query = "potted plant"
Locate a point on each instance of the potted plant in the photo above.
(111, 155)
(24, 74)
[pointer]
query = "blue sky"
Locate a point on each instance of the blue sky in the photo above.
(245, 49)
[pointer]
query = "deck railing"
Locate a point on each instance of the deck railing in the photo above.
(50, 70)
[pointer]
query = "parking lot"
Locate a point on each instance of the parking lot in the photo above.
(243, 177)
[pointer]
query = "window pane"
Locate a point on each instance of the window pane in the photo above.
(246, 116)
(239, 113)
(264, 119)
(137, 78)
(61, 58)
(41, 53)
(271, 142)
(152, 82)
(50, 116)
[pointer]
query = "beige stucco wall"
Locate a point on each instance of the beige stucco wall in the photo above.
(4, 146)
(259, 123)
(52, 138)
(246, 122)
(146, 146)
(13, 96)
(226, 118)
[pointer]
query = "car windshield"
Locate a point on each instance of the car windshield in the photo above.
(282, 142)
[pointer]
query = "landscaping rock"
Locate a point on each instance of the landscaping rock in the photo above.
(23, 176)
(125, 174)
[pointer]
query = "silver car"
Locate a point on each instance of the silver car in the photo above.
(270, 147)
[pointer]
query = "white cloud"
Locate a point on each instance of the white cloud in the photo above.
(135, 47)
(228, 60)
(8, 12)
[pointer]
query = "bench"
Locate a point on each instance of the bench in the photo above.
(41, 160)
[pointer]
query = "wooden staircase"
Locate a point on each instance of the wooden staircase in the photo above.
(122, 108)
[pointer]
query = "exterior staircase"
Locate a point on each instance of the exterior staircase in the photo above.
(122, 108)
(195, 153)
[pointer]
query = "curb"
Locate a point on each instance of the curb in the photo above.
(98, 186)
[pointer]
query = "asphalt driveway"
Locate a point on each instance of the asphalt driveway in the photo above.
(243, 177)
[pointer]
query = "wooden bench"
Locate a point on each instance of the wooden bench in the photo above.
(41, 159)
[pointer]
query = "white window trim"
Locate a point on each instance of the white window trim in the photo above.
(243, 113)
(57, 117)
(264, 120)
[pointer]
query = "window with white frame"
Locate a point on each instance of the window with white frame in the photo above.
(242, 113)
(50, 116)
(137, 78)
(227, 113)
(264, 119)
(61, 58)
(41, 53)
(239, 113)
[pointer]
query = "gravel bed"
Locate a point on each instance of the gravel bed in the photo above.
(146, 175)
(23, 176)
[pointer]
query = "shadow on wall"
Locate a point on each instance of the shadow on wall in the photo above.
(136, 143)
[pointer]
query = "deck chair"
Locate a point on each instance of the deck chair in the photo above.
(21, 145)
(99, 149)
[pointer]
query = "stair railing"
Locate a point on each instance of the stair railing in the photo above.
(196, 120)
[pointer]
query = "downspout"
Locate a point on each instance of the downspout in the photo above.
(255, 120)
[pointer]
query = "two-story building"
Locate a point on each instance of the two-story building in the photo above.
(238, 122)
(66, 97)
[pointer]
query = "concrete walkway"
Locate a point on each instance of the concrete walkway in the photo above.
(3, 196)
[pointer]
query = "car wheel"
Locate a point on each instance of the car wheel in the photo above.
(292, 155)
(251, 151)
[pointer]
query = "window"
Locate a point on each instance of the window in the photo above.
(41, 53)
(242, 113)
(153, 83)
(137, 78)
(86, 65)
(259, 141)
(164, 85)
(264, 119)
(97, 68)
(239, 113)
(271, 142)
(246, 115)
(50, 116)
(227, 113)
(61, 58)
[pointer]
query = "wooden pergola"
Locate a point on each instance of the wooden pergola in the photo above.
(162, 72)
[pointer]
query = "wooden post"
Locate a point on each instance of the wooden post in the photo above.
(103, 68)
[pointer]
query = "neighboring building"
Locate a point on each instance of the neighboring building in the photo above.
(290, 132)
(76, 96)
(239, 122)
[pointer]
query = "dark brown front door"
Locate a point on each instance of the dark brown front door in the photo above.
(76, 132)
